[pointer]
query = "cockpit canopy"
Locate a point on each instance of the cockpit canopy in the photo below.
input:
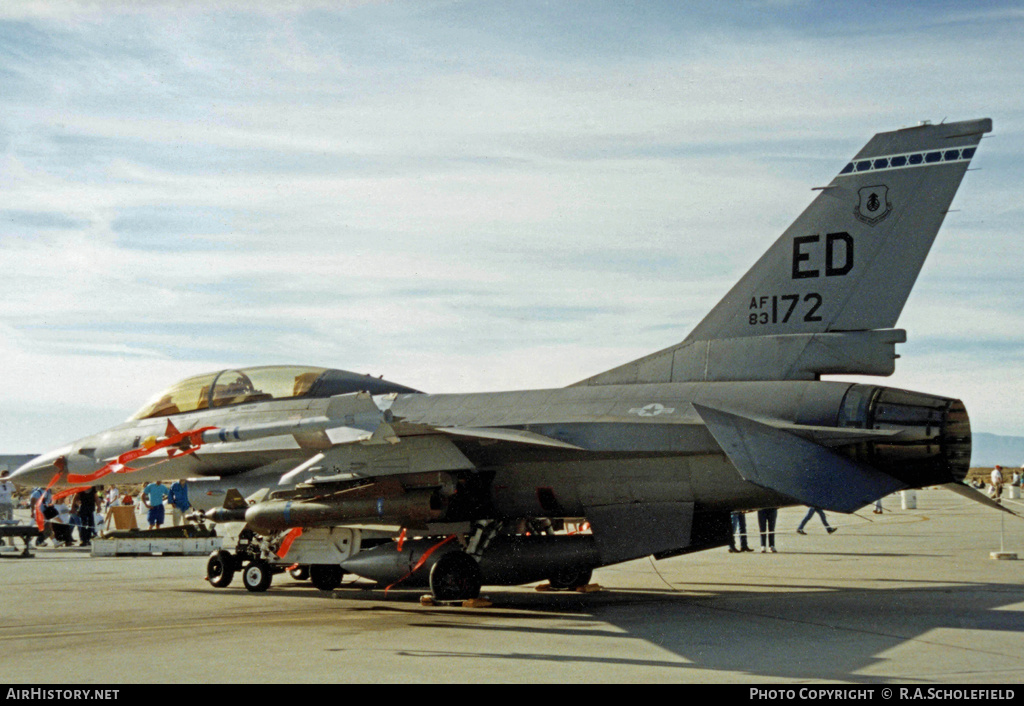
(271, 382)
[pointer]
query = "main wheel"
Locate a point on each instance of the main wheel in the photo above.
(455, 577)
(220, 569)
(571, 577)
(257, 576)
(326, 577)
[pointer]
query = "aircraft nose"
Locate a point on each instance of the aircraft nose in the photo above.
(39, 471)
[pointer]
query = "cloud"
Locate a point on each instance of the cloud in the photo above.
(467, 196)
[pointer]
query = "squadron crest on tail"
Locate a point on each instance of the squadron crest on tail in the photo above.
(873, 206)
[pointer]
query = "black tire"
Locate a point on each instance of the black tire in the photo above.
(326, 577)
(220, 569)
(299, 573)
(571, 578)
(257, 576)
(455, 577)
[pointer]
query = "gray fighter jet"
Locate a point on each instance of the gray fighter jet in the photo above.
(360, 475)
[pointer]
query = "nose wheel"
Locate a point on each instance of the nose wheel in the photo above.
(220, 569)
(257, 576)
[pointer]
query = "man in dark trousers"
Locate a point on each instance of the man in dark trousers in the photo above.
(87, 514)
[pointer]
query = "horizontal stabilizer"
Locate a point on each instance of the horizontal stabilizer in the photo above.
(803, 470)
(978, 497)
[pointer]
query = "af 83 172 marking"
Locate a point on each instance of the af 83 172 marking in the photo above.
(776, 308)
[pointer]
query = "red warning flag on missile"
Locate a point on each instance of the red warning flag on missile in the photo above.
(177, 443)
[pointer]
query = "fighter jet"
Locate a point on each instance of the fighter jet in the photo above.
(364, 476)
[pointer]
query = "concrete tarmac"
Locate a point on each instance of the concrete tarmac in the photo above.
(906, 597)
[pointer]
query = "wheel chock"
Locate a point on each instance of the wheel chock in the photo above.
(589, 588)
(428, 600)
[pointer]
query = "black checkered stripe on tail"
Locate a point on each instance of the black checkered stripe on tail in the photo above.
(908, 160)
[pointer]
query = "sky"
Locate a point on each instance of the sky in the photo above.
(465, 196)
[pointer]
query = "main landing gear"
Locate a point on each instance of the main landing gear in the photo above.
(569, 579)
(326, 577)
(455, 577)
(455, 567)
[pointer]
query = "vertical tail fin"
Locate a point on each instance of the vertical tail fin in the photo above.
(825, 297)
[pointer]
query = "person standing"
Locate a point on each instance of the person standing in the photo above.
(739, 527)
(41, 503)
(87, 516)
(6, 501)
(63, 526)
(153, 497)
(6, 498)
(997, 483)
(179, 500)
(766, 524)
(112, 496)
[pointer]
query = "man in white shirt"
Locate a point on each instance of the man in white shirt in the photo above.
(997, 483)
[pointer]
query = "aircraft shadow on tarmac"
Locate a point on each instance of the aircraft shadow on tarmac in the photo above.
(805, 632)
(762, 630)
